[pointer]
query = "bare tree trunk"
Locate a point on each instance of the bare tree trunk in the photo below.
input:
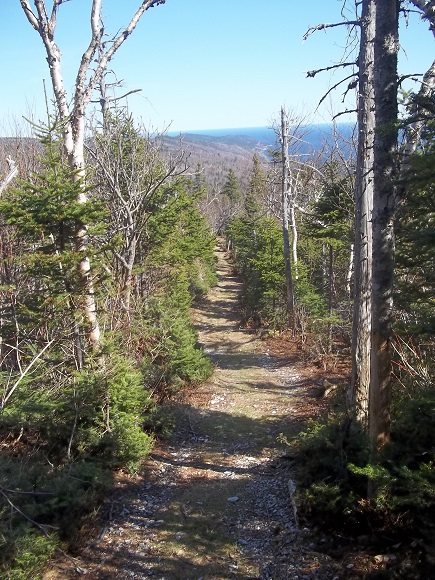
(294, 236)
(385, 159)
(350, 270)
(285, 220)
(362, 316)
(331, 285)
(370, 391)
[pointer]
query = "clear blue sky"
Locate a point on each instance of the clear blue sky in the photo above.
(200, 63)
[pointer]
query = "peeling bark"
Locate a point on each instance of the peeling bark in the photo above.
(362, 316)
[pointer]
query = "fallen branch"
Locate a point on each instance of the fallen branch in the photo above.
(29, 519)
(6, 490)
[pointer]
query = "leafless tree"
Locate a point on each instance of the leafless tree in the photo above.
(131, 165)
(370, 390)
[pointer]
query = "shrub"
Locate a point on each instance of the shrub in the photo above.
(333, 456)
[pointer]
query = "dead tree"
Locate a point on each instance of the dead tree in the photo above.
(370, 389)
(285, 219)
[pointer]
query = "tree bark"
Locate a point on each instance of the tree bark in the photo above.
(384, 173)
(362, 316)
(285, 220)
(370, 390)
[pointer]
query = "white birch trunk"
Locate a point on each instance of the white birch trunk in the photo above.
(350, 270)
(12, 173)
(294, 236)
(73, 119)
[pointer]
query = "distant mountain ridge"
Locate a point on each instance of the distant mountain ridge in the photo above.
(314, 136)
(216, 151)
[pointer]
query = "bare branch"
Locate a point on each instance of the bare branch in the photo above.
(313, 29)
(53, 17)
(335, 86)
(116, 99)
(312, 73)
(8, 395)
(412, 76)
(88, 55)
(347, 111)
(29, 14)
(18, 492)
(117, 42)
(14, 507)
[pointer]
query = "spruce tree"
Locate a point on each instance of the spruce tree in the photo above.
(231, 188)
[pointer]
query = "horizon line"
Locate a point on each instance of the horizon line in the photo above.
(262, 127)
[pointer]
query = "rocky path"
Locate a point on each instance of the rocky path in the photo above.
(214, 502)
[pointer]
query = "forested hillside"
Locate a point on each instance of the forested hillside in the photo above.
(108, 236)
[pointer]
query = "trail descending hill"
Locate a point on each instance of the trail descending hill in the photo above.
(214, 502)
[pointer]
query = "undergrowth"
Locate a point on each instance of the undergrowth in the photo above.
(336, 475)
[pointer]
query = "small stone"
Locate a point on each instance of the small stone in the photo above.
(384, 558)
(233, 499)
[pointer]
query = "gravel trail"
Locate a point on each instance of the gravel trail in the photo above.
(215, 501)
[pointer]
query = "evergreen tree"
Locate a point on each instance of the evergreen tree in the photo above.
(415, 231)
(45, 212)
(258, 255)
(330, 224)
(231, 188)
(257, 189)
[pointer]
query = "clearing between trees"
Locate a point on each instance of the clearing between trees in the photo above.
(215, 499)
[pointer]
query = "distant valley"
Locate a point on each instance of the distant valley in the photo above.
(219, 150)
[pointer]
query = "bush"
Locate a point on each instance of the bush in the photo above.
(66, 441)
(28, 555)
(333, 456)
(52, 508)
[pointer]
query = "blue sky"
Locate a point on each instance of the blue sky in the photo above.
(200, 63)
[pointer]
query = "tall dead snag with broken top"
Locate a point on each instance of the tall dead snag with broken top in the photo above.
(370, 390)
(71, 117)
(285, 219)
(362, 313)
(386, 43)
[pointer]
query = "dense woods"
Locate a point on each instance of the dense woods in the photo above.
(107, 238)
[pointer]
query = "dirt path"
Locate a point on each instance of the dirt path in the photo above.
(215, 502)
